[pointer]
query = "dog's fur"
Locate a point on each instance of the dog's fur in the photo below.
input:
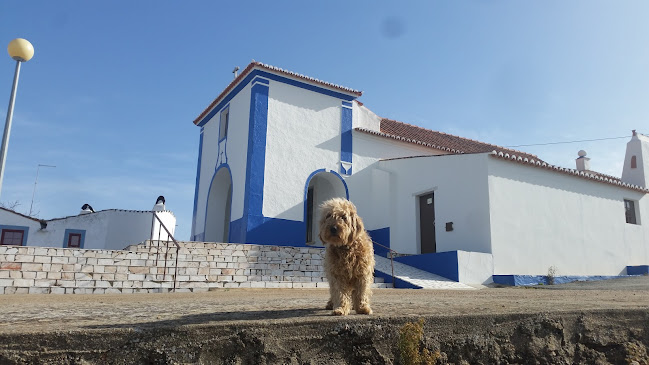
(349, 257)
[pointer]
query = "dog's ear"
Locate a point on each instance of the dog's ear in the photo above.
(359, 227)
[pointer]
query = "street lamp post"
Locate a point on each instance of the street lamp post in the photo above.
(22, 51)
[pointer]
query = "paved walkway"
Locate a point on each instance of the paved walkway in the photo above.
(417, 277)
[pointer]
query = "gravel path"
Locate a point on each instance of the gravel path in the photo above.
(43, 313)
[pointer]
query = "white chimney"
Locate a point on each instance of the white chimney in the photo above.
(159, 204)
(85, 209)
(583, 162)
(636, 161)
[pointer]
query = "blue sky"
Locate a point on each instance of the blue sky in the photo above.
(113, 88)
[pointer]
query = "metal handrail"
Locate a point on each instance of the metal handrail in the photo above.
(392, 255)
(169, 235)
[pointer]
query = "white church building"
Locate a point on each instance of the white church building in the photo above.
(275, 144)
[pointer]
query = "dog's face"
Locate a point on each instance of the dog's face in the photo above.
(339, 223)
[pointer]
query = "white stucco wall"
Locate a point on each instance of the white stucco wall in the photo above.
(368, 187)
(541, 218)
(461, 196)
(365, 118)
(236, 151)
(11, 219)
(303, 136)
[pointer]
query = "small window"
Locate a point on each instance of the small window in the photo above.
(634, 163)
(225, 120)
(13, 237)
(74, 240)
(629, 211)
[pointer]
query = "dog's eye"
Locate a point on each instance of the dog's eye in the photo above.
(344, 218)
(328, 216)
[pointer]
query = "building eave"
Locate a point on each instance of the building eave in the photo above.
(261, 66)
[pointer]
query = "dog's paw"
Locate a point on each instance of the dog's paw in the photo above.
(364, 310)
(340, 312)
(330, 305)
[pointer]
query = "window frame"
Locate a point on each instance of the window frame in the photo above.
(81, 233)
(71, 236)
(23, 229)
(7, 230)
(631, 211)
(224, 122)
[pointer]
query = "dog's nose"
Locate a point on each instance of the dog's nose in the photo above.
(333, 229)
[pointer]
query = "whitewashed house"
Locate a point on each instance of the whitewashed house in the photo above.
(275, 144)
(111, 229)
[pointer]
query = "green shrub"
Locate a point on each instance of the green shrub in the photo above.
(411, 348)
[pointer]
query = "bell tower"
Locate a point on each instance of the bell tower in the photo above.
(636, 161)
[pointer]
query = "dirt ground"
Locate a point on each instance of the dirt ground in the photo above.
(600, 322)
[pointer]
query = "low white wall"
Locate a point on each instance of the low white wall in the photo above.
(542, 219)
(475, 268)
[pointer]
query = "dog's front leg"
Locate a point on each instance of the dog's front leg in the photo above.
(361, 297)
(341, 299)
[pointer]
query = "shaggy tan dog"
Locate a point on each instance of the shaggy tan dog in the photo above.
(349, 257)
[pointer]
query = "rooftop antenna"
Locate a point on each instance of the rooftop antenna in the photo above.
(236, 71)
(36, 182)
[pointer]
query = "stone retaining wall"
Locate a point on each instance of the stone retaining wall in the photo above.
(141, 268)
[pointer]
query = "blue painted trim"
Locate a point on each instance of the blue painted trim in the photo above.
(346, 138)
(198, 179)
(274, 77)
(526, 280)
(207, 203)
(308, 180)
(256, 159)
(306, 192)
(347, 104)
(381, 236)
(25, 230)
(637, 270)
(261, 80)
(440, 263)
(398, 283)
(306, 86)
(269, 231)
(66, 236)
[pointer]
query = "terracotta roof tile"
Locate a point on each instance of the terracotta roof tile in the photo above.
(590, 175)
(438, 140)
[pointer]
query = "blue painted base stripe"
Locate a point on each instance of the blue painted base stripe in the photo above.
(268, 231)
(525, 280)
(637, 270)
(441, 263)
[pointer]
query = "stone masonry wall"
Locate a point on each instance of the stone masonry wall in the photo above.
(141, 268)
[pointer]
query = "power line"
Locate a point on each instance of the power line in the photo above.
(583, 140)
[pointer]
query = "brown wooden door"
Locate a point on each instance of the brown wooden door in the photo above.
(427, 223)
